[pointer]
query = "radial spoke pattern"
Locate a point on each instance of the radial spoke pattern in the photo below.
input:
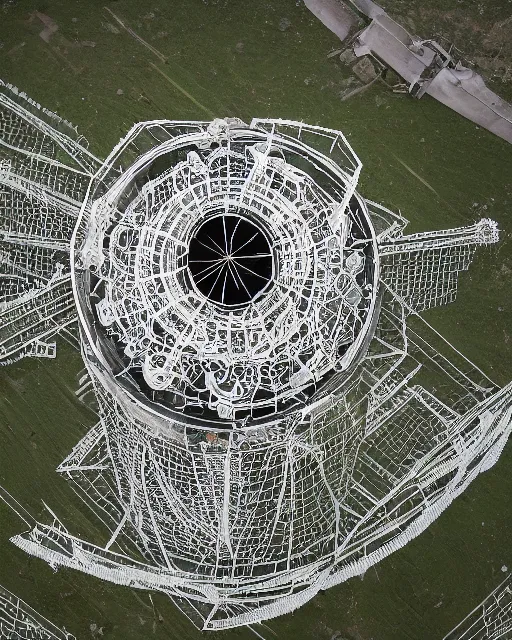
(230, 260)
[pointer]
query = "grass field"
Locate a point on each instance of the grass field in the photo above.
(230, 58)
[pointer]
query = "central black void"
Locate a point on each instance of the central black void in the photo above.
(230, 260)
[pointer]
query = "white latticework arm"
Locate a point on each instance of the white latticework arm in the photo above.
(19, 621)
(45, 170)
(423, 268)
(491, 619)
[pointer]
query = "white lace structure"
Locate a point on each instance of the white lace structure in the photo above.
(491, 620)
(44, 174)
(233, 240)
(274, 415)
(18, 621)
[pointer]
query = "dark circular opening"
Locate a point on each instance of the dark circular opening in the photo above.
(230, 260)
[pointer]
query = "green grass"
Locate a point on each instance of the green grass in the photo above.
(420, 592)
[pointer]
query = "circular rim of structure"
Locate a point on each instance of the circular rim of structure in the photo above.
(129, 177)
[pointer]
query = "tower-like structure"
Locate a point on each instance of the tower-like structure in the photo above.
(270, 423)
